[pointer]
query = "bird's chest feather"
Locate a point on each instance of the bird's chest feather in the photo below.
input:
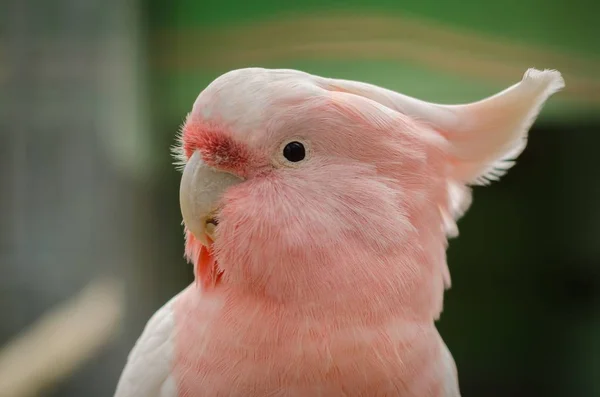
(249, 351)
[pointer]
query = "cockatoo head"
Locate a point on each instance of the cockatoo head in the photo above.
(297, 186)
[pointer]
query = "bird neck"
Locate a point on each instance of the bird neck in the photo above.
(406, 281)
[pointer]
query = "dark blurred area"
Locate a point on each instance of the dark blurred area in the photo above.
(92, 93)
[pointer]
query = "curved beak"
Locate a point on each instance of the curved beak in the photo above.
(201, 189)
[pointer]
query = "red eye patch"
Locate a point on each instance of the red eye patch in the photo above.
(217, 147)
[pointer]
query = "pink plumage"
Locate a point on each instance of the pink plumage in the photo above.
(217, 147)
(321, 272)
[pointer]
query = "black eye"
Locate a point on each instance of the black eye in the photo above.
(294, 152)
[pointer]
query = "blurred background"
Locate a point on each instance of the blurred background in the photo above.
(92, 93)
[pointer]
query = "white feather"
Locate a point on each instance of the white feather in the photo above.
(451, 387)
(177, 150)
(148, 369)
(491, 133)
(485, 136)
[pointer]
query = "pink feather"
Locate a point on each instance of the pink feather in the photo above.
(326, 276)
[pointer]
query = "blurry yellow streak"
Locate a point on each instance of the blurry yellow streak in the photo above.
(373, 37)
(61, 340)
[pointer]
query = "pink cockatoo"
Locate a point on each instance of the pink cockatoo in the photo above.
(317, 213)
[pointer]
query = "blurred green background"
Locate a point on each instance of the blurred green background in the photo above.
(92, 93)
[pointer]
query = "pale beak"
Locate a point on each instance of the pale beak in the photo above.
(200, 193)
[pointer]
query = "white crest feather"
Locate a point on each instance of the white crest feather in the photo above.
(490, 134)
(485, 137)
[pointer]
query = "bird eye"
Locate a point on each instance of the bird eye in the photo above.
(294, 152)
